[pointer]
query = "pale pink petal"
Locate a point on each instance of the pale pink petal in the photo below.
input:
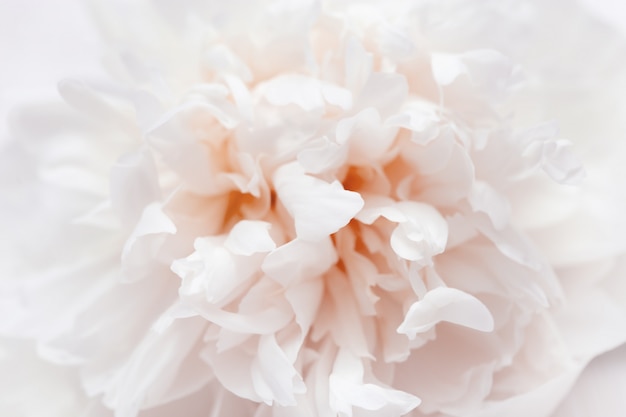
(365, 135)
(300, 260)
(248, 237)
(295, 89)
(145, 241)
(134, 185)
(487, 200)
(348, 390)
(446, 304)
(318, 208)
(422, 235)
(322, 155)
(273, 376)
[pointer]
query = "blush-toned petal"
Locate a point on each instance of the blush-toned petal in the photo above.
(487, 69)
(153, 369)
(347, 390)
(273, 376)
(134, 185)
(145, 241)
(487, 200)
(337, 96)
(318, 208)
(383, 92)
(446, 304)
(560, 163)
(420, 118)
(422, 235)
(321, 155)
(300, 260)
(215, 271)
(302, 91)
(248, 237)
(366, 137)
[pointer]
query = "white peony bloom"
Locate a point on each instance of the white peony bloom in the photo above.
(282, 208)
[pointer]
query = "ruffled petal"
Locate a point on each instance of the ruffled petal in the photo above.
(318, 208)
(446, 304)
(422, 235)
(347, 390)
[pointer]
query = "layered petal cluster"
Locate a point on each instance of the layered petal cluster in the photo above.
(311, 208)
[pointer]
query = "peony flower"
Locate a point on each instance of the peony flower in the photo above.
(318, 208)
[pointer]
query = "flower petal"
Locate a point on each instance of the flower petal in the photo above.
(248, 237)
(318, 208)
(348, 390)
(273, 376)
(300, 260)
(446, 304)
(422, 235)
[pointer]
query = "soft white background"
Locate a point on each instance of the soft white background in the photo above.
(43, 41)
